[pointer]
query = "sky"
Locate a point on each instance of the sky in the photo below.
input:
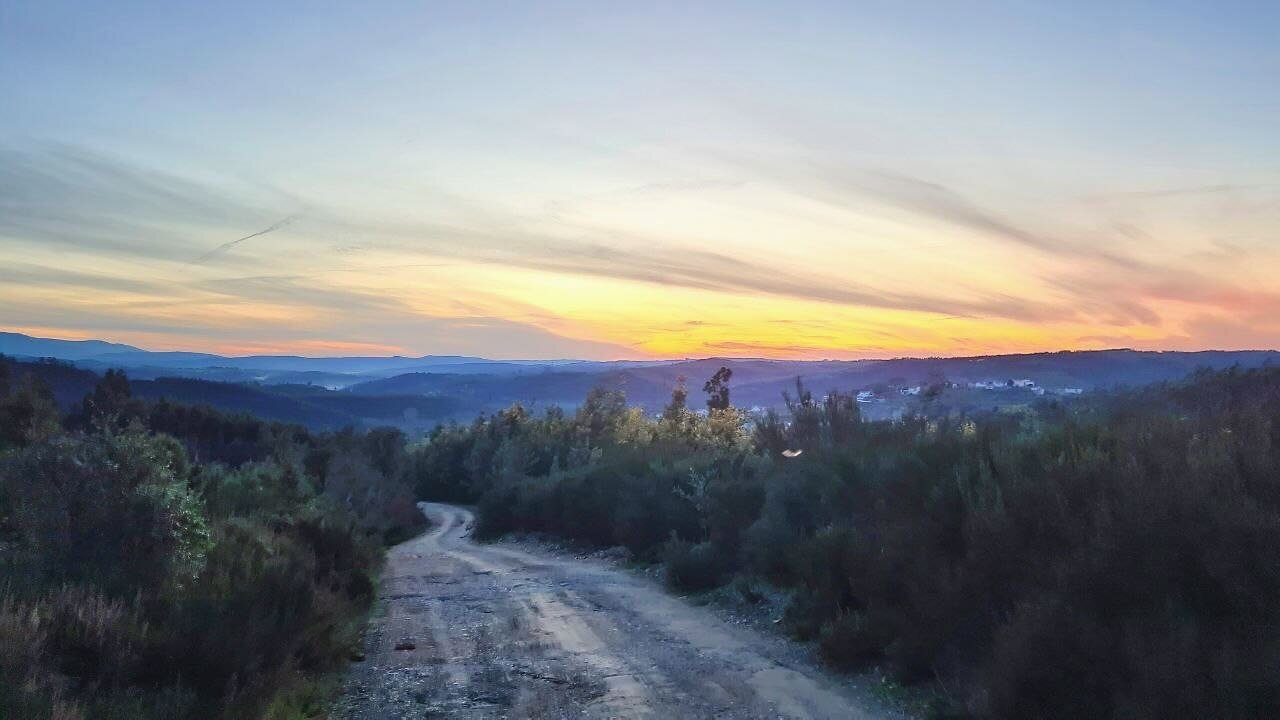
(631, 180)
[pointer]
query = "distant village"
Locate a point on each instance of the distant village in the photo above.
(871, 396)
(891, 400)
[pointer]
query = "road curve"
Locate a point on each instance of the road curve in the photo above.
(486, 631)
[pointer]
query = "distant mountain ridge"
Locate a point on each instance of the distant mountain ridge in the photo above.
(101, 355)
(19, 345)
(762, 382)
(415, 392)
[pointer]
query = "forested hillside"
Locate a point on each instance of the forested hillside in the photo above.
(1114, 556)
(160, 560)
(1117, 557)
(416, 394)
(313, 406)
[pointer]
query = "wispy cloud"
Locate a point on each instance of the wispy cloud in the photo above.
(228, 245)
(27, 276)
(85, 186)
(94, 203)
(860, 188)
(662, 261)
(786, 350)
(290, 314)
(84, 192)
(63, 194)
(1128, 195)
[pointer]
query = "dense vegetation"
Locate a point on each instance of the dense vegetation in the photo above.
(1116, 558)
(171, 561)
(313, 406)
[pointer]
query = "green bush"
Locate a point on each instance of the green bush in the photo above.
(693, 567)
(850, 642)
(113, 510)
(1116, 557)
(135, 583)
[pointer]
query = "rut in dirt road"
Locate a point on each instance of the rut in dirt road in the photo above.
(483, 631)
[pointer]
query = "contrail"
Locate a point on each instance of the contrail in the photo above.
(228, 245)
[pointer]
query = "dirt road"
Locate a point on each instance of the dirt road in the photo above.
(486, 631)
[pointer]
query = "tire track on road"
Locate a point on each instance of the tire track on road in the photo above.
(508, 633)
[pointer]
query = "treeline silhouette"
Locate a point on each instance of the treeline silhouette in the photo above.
(1117, 557)
(171, 561)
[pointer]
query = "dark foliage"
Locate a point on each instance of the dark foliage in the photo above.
(166, 561)
(1116, 558)
(717, 389)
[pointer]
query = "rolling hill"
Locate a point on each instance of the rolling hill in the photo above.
(417, 392)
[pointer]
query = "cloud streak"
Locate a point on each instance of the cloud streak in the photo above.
(93, 202)
(76, 187)
(852, 188)
(660, 262)
(228, 245)
(104, 206)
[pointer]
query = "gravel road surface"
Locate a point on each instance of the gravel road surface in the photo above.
(464, 630)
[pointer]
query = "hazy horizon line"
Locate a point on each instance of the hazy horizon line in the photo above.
(668, 359)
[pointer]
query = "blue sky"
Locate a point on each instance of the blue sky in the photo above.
(851, 179)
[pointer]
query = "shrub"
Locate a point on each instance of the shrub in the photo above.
(92, 638)
(497, 515)
(1116, 557)
(108, 509)
(693, 568)
(135, 583)
(848, 642)
(22, 647)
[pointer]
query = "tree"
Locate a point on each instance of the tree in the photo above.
(841, 416)
(769, 433)
(115, 510)
(806, 417)
(600, 414)
(385, 449)
(28, 413)
(717, 389)
(674, 412)
(111, 402)
(676, 421)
